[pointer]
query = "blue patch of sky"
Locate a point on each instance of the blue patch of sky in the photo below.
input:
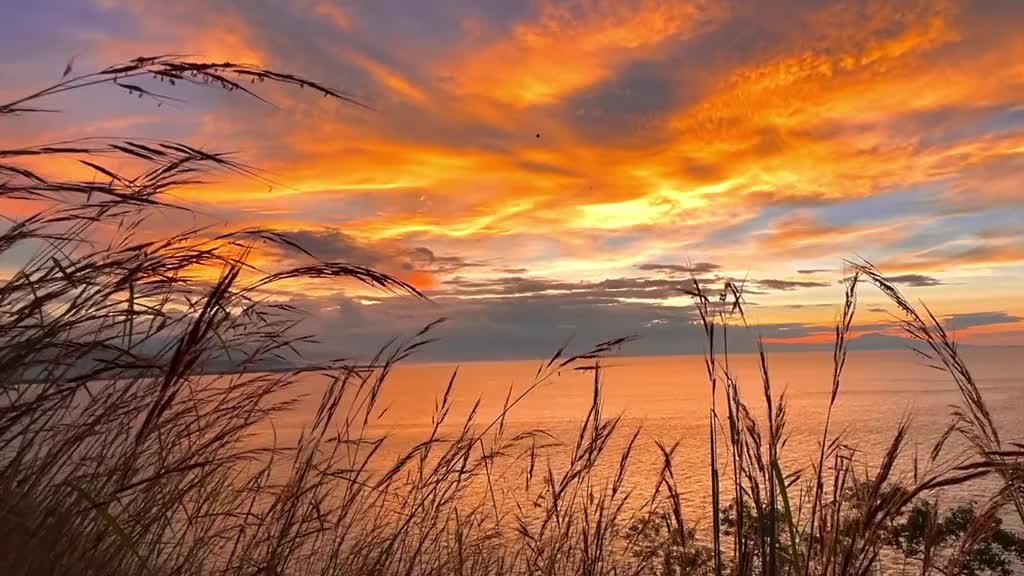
(620, 241)
(437, 23)
(994, 122)
(944, 226)
(49, 26)
(760, 222)
(881, 207)
(959, 227)
(925, 200)
(629, 103)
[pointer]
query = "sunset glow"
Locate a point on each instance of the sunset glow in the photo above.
(558, 168)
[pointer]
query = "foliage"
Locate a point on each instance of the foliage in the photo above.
(951, 539)
(662, 550)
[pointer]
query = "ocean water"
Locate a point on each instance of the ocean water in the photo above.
(669, 400)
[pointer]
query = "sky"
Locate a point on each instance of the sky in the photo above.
(546, 169)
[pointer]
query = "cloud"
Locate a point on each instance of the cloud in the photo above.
(334, 13)
(916, 280)
(635, 102)
(610, 290)
(419, 265)
(518, 69)
(756, 136)
(802, 234)
(334, 245)
(809, 306)
(529, 326)
(697, 268)
(992, 250)
(975, 319)
(787, 285)
(425, 259)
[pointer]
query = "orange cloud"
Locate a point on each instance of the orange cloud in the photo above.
(570, 48)
(387, 76)
(478, 145)
(972, 256)
(335, 14)
(801, 235)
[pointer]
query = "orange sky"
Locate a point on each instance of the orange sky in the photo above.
(574, 153)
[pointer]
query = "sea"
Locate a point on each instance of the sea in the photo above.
(669, 400)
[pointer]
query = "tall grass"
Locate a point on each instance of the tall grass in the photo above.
(122, 450)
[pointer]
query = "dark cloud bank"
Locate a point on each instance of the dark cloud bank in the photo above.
(512, 316)
(531, 319)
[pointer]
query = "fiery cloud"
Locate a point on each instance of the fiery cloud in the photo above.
(580, 141)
